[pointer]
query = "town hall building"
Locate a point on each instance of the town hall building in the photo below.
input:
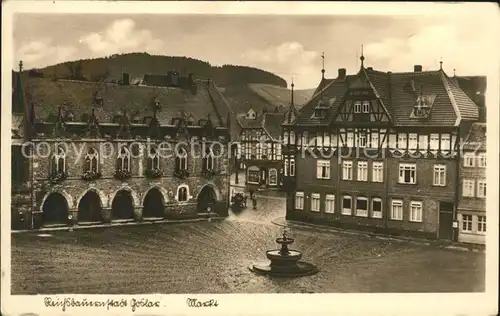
(107, 152)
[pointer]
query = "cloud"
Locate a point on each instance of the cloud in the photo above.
(287, 60)
(122, 37)
(43, 52)
(460, 45)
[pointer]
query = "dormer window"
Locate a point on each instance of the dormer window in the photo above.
(357, 107)
(319, 113)
(423, 106)
(366, 107)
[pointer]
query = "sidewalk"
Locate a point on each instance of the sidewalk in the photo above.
(444, 244)
(116, 224)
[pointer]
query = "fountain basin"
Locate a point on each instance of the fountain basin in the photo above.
(279, 259)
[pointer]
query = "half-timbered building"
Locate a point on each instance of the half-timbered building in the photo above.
(472, 194)
(379, 151)
(261, 152)
(86, 152)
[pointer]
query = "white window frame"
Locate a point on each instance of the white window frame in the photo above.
(315, 202)
(299, 200)
(292, 167)
(183, 187)
(366, 107)
(350, 139)
(481, 225)
(285, 138)
(59, 156)
(481, 189)
(362, 139)
(182, 156)
(412, 141)
(330, 203)
(412, 168)
(346, 170)
(468, 187)
(397, 214)
(468, 227)
(209, 160)
(323, 165)
(93, 157)
(423, 142)
(124, 156)
(481, 160)
(378, 171)
(469, 160)
(271, 171)
(439, 175)
(374, 140)
(434, 142)
(292, 138)
(286, 166)
(326, 140)
(346, 211)
(416, 210)
(362, 174)
(377, 214)
(445, 142)
(402, 141)
(361, 213)
(357, 107)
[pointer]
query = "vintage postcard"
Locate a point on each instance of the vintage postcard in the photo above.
(249, 158)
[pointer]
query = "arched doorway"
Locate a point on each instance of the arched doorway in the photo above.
(153, 204)
(206, 199)
(89, 208)
(55, 210)
(122, 206)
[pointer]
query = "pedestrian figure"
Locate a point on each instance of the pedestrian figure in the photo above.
(251, 194)
(254, 203)
(245, 201)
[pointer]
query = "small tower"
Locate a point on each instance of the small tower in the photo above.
(362, 57)
(322, 67)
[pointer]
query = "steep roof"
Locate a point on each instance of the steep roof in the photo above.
(78, 98)
(332, 95)
(271, 122)
(476, 138)
(398, 93)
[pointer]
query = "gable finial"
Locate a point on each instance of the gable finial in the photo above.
(292, 85)
(454, 72)
(441, 64)
(323, 65)
(20, 66)
(362, 57)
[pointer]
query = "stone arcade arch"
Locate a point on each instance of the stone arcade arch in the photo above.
(207, 198)
(90, 207)
(154, 203)
(122, 205)
(55, 209)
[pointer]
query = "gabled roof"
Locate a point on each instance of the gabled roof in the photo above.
(322, 84)
(270, 122)
(77, 97)
(334, 91)
(476, 138)
(450, 104)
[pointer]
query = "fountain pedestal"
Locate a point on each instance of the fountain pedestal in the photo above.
(284, 262)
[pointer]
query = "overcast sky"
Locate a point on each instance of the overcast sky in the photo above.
(289, 46)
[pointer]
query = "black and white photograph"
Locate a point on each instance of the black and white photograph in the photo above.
(249, 158)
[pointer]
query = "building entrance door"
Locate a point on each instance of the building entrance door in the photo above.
(446, 220)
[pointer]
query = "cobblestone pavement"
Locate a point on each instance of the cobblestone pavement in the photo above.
(214, 257)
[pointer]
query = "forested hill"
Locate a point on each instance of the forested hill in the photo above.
(138, 64)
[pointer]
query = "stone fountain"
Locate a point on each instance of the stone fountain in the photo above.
(284, 262)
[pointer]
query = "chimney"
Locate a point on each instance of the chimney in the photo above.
(125, 79)
(417, 68)
(342, 73)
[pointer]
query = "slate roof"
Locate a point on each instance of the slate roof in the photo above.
(334, 91)
(271, 122)
(78, 97)
(450, 103)
(476, 138)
